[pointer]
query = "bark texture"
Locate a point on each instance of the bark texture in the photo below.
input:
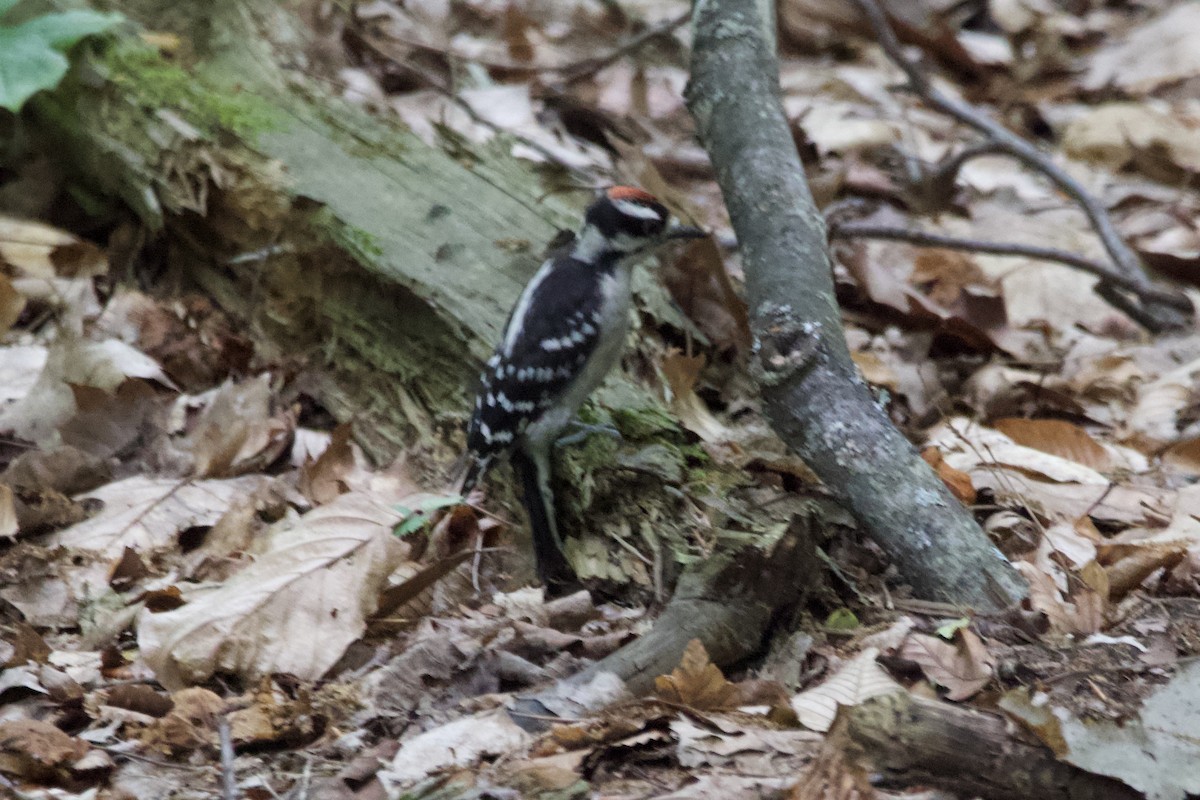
(904, 741)
(728, 602)
(813, 394)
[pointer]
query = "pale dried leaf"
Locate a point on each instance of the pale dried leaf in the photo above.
(295, 609)
(963, 667)
(1160, 52)
(682, 372)
(147, 514)
(857, 681)
(461, 743)
(1118, 135)
(1156, 417)
(1155, 753)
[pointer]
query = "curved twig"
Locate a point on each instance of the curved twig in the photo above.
(1124, 259)
(861, 230)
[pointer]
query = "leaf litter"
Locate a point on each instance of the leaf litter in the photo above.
(187, 549)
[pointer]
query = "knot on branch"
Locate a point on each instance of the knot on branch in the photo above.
(783, 344)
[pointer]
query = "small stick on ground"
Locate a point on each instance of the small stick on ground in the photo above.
(1152, 313)
(228, 777)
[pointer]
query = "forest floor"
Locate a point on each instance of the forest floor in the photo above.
(198, 559)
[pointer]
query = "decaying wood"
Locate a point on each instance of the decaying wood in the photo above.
(726, 602)
(814, 397)
(904, 741)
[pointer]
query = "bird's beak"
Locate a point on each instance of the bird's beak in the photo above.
(677, 231)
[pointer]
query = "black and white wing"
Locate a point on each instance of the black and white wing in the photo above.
(552, 333)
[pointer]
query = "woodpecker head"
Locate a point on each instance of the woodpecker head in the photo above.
(630, 221)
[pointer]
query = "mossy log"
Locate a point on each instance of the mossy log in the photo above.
(384, 266)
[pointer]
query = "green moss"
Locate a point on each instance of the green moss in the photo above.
(145, 74)
(360, 243)
(647, 422)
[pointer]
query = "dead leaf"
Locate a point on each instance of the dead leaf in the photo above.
(460, 743)
(237, 433)
(696, 682)
(957, 481)
(323, 479)
(1120, 135)
(37, 751)
(189, 724)
(1160, 52)
(962, 667)
(42, 251)
(682, 372)
(700, 285)
(1057, 438)
(857, 681)
(295, 609)
(147, 514)
(105, 424)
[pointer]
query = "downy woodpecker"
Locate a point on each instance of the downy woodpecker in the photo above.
(565, 334)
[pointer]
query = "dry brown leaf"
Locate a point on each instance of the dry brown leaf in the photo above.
(1157, 417)
(295, 609)
(957, 481)
(42, 251)
(1128, 566)
(324, 478)
(1183, 457)
(682, 372)
(700, 285)
(962, 667)
(1058, 438)
(49, 402)
(696, 682)
(106, 423)
(237, 432)
(857, 681)
(36, 750)
(190, 723)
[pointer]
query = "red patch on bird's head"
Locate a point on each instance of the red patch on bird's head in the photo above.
(630, 193)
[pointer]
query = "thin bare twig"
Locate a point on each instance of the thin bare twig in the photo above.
(572, 71)
(590, 66)
(1009, 143)
(862, 230)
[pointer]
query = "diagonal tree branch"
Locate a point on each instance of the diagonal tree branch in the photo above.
(1154, 314)
(812, 393)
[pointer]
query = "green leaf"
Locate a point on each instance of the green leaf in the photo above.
(842, 619)
(416, 515)
(948, 628)
(60, 31)
(29, 57)
(6, 6)
(27, 65)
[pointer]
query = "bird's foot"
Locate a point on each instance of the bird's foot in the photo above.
(578, 431)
